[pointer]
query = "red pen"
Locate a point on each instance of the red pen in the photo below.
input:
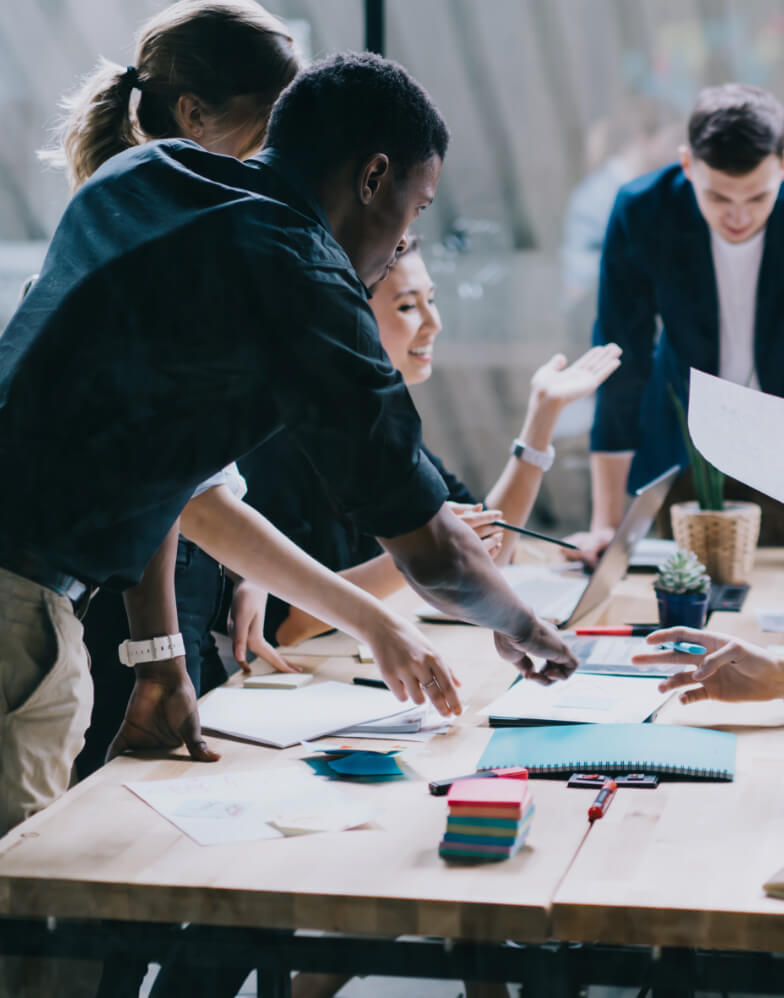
(620, 630)
(599, 807)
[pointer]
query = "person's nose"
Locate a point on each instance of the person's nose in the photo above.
(738, 216)
(431, 320)
(402, 246)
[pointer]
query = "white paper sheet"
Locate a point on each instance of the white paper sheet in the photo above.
(278, 719)
(582, 698)
(739, 430)
(242, 807)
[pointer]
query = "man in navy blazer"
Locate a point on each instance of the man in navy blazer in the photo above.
(695, 254)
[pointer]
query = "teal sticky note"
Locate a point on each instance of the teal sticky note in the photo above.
(366, 764)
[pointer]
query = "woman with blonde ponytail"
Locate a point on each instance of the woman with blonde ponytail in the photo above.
(207, 70)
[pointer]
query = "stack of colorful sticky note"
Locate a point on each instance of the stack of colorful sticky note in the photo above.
(488, 818)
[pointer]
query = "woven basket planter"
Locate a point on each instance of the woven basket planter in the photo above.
(724, 540)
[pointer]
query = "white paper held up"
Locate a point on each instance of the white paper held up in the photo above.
(739, 431)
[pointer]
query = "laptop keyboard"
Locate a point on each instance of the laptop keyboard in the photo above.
(553, 599)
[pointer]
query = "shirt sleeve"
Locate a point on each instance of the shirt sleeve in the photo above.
(230, 475)
(458, 490)
(345, 406)
(627, 316)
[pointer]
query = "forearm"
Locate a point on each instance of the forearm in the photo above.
(447, 564)
(151, 606)
(378, 576)
(242, 540)
(609, 474)
(518, 485)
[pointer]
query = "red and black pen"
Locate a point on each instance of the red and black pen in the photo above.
(603, 800)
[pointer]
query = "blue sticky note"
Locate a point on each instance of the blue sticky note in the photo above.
(366, 764)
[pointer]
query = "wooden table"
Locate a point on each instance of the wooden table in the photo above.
(680, 866)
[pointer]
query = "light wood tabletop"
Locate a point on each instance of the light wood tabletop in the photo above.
(102, 852)
(682, 864)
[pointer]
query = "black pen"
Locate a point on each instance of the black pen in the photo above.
(534, 533)
(367, 681)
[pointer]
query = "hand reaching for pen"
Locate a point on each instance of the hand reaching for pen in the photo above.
(543, 641)
(733, 670)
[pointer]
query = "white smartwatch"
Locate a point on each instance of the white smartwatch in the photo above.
(134, 653)
(538, 458)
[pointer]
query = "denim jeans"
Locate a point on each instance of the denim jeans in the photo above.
(200, 588)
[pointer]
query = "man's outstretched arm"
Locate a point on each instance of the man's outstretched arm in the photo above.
(447, 564)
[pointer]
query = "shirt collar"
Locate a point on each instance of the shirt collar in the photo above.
(294, 177)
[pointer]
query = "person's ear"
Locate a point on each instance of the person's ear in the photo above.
(189, 114)
(372, 176)
(684, 155)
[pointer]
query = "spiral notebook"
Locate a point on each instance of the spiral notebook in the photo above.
(667, 749)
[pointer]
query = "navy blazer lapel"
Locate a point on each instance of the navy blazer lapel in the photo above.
(692, 262)
(768, 348)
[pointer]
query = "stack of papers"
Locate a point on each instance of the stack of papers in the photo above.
(281, 719)
(418, 723)
(488, 819)
(583, 698)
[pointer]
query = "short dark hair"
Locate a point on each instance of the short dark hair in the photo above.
(735, 126)
(349, 106)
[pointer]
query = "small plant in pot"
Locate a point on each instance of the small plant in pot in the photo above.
(682, 591)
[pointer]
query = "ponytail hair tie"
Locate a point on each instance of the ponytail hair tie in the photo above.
(131, 79)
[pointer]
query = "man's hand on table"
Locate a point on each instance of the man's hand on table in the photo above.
(543, 641)
(162, 713)
(732, 670)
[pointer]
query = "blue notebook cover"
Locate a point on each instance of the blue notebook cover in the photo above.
(667, 749)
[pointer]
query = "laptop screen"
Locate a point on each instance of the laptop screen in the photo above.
(635, 525)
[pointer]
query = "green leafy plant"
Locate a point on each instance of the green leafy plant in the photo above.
(708, 480)
(682, 572)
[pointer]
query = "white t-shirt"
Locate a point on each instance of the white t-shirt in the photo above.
(737, 268)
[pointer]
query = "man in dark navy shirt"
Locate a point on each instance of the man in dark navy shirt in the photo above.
(189, 305)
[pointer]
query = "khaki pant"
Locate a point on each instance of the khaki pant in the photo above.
(45, 696)
(45, 701)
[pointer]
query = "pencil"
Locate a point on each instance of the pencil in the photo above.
(534, 533)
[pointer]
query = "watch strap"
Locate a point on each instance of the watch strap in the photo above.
(158, 649)
(542, 459)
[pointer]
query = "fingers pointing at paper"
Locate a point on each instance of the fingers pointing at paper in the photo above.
(412, 667)
(732, 670)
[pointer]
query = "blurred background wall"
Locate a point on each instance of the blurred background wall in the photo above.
(551, 103)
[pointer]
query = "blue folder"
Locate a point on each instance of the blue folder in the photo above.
(666, 749)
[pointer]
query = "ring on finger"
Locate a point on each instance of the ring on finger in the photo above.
(433, 682)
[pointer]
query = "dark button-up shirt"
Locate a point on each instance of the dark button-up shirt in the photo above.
(286, 488)
(188, 306)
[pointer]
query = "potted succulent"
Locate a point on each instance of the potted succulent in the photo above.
(723, 535)
(682, 591)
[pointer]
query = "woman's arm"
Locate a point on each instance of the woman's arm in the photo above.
(553, 387)
(241, 539)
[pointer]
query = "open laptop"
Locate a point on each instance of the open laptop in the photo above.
(565, 596)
